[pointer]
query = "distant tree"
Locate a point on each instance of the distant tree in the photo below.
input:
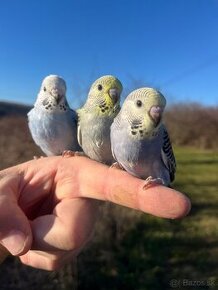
(192, 124)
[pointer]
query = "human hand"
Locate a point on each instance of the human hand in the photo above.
(52, 202)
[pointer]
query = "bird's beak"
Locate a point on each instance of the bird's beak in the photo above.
(114, 94)
(56, 95)
(156, 114)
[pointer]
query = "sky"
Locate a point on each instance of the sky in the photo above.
(166, 44)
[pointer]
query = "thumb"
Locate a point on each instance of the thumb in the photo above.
(15, 231)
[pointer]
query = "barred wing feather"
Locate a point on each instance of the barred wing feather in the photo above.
(168, 155)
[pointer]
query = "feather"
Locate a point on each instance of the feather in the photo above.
(168, 155)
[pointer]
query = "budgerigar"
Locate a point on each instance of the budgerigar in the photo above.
(52, 123)
(96, 117)
(139, 140)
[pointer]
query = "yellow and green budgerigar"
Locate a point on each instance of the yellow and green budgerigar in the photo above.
(96, 116)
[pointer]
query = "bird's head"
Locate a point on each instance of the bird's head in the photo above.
(104, 95)
(52, 95)
(143, 109)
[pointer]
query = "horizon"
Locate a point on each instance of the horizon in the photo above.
(175, 103)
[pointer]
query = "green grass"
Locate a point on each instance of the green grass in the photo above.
(194, 254)
(140, 252)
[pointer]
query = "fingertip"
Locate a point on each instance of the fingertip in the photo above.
(15, 230)
(183, 206)
(164, 202)
(16, 242)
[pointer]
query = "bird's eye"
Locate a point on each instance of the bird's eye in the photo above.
(44, 89)
(139, 103)
(100, 87)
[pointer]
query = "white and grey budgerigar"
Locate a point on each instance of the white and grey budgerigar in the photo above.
(139, 140)
(96, 117)
(52, 123)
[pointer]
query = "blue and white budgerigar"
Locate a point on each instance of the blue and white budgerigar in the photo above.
(52, 123)
(139, 140)
(96, 117)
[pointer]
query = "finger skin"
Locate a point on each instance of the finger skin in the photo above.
(15, 231)
(50, 261)
(81, 177)
(101, 182)
(68, 228)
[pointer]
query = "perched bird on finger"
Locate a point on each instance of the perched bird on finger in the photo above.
(139, 140)
(52, 123)
(96, 117)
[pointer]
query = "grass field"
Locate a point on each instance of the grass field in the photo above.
(135, 251)
(146, 252)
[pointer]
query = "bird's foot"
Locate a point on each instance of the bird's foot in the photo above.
(116, 165)
(37, 157)
(150, 181)
(69, 153)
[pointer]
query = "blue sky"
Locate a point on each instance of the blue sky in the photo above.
(167, 44)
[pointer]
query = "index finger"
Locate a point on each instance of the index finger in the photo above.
(82, 177)
(87, 178)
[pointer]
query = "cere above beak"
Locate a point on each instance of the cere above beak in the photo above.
(156, 114)
(114, 94)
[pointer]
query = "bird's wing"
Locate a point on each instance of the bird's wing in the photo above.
(168, 155)
(79, 135)
(74, 117)
(98, 138)
(112, 149)
(114, 131)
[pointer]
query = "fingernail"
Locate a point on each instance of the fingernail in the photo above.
(14, 242)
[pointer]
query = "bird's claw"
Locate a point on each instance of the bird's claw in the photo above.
(69, 153)
(116, 165)
(37, 157)
(150, 181)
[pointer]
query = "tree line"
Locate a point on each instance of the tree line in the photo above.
(192, 124)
